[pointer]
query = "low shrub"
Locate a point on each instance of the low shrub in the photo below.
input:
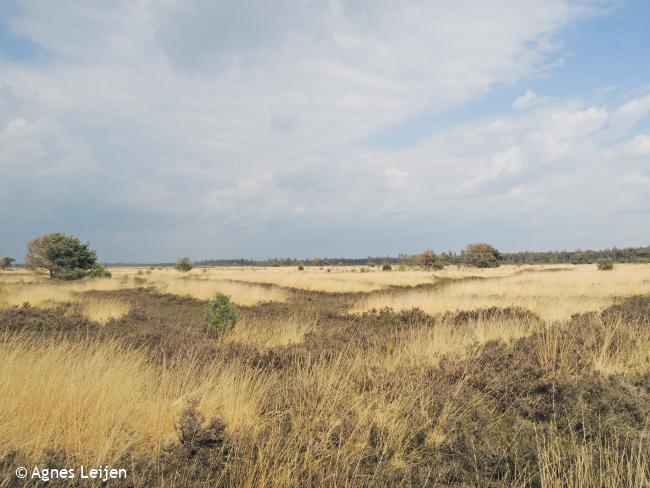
(220, 314)
(193, 432)
(387, 267)
(183, 265)
(100, 271)
(605, 265)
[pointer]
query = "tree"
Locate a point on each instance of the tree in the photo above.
(183, 265)
(428, 260)
(6, 262)
(482, 255)
(65, 257)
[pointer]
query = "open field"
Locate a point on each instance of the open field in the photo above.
(533, 376)
(552, 295)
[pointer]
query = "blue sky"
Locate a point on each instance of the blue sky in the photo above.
(343, 127)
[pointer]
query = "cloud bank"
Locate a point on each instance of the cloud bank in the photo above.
(220, 128)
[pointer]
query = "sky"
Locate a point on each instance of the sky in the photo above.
(224, 129)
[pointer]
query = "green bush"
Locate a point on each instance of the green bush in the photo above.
(387, 267)
(605, 265)
(183, 265)
(220, 314)
(100, 271)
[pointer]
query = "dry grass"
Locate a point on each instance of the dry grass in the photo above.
(271, 333)
(98, 401)
(45, 293)
(605, 462)
(380, 403)
(103, 310)
(625, 349)
(337, 280)
(204, 289)
(552, 296)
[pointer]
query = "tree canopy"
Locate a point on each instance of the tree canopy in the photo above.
(65, 257)
(428, 260)
(482, 255)
(6, 262)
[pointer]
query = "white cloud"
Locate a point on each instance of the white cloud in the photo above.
(629, 114)
(638, 146)
(208, 115)
(396, 177)
(526, 100)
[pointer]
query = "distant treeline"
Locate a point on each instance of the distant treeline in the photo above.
(626, 255)
(579, 256)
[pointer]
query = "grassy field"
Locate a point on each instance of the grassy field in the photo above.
(532, 376)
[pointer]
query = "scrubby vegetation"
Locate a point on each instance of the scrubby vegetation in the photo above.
(100, 271)
(605, 265)
(519, 377)
(184, 265)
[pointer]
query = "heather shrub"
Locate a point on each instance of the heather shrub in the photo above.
(193, 432)
(605, 265)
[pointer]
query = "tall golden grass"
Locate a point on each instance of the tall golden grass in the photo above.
(552, 295)
(100, 401)
(46, 293)
(204, 289)
(105, 401)
(102, 310)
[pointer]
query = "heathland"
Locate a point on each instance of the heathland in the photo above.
(515, 376)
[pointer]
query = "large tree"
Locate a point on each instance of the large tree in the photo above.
(428, 260)
(65, 257)
(6, 262)
(482, 255)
